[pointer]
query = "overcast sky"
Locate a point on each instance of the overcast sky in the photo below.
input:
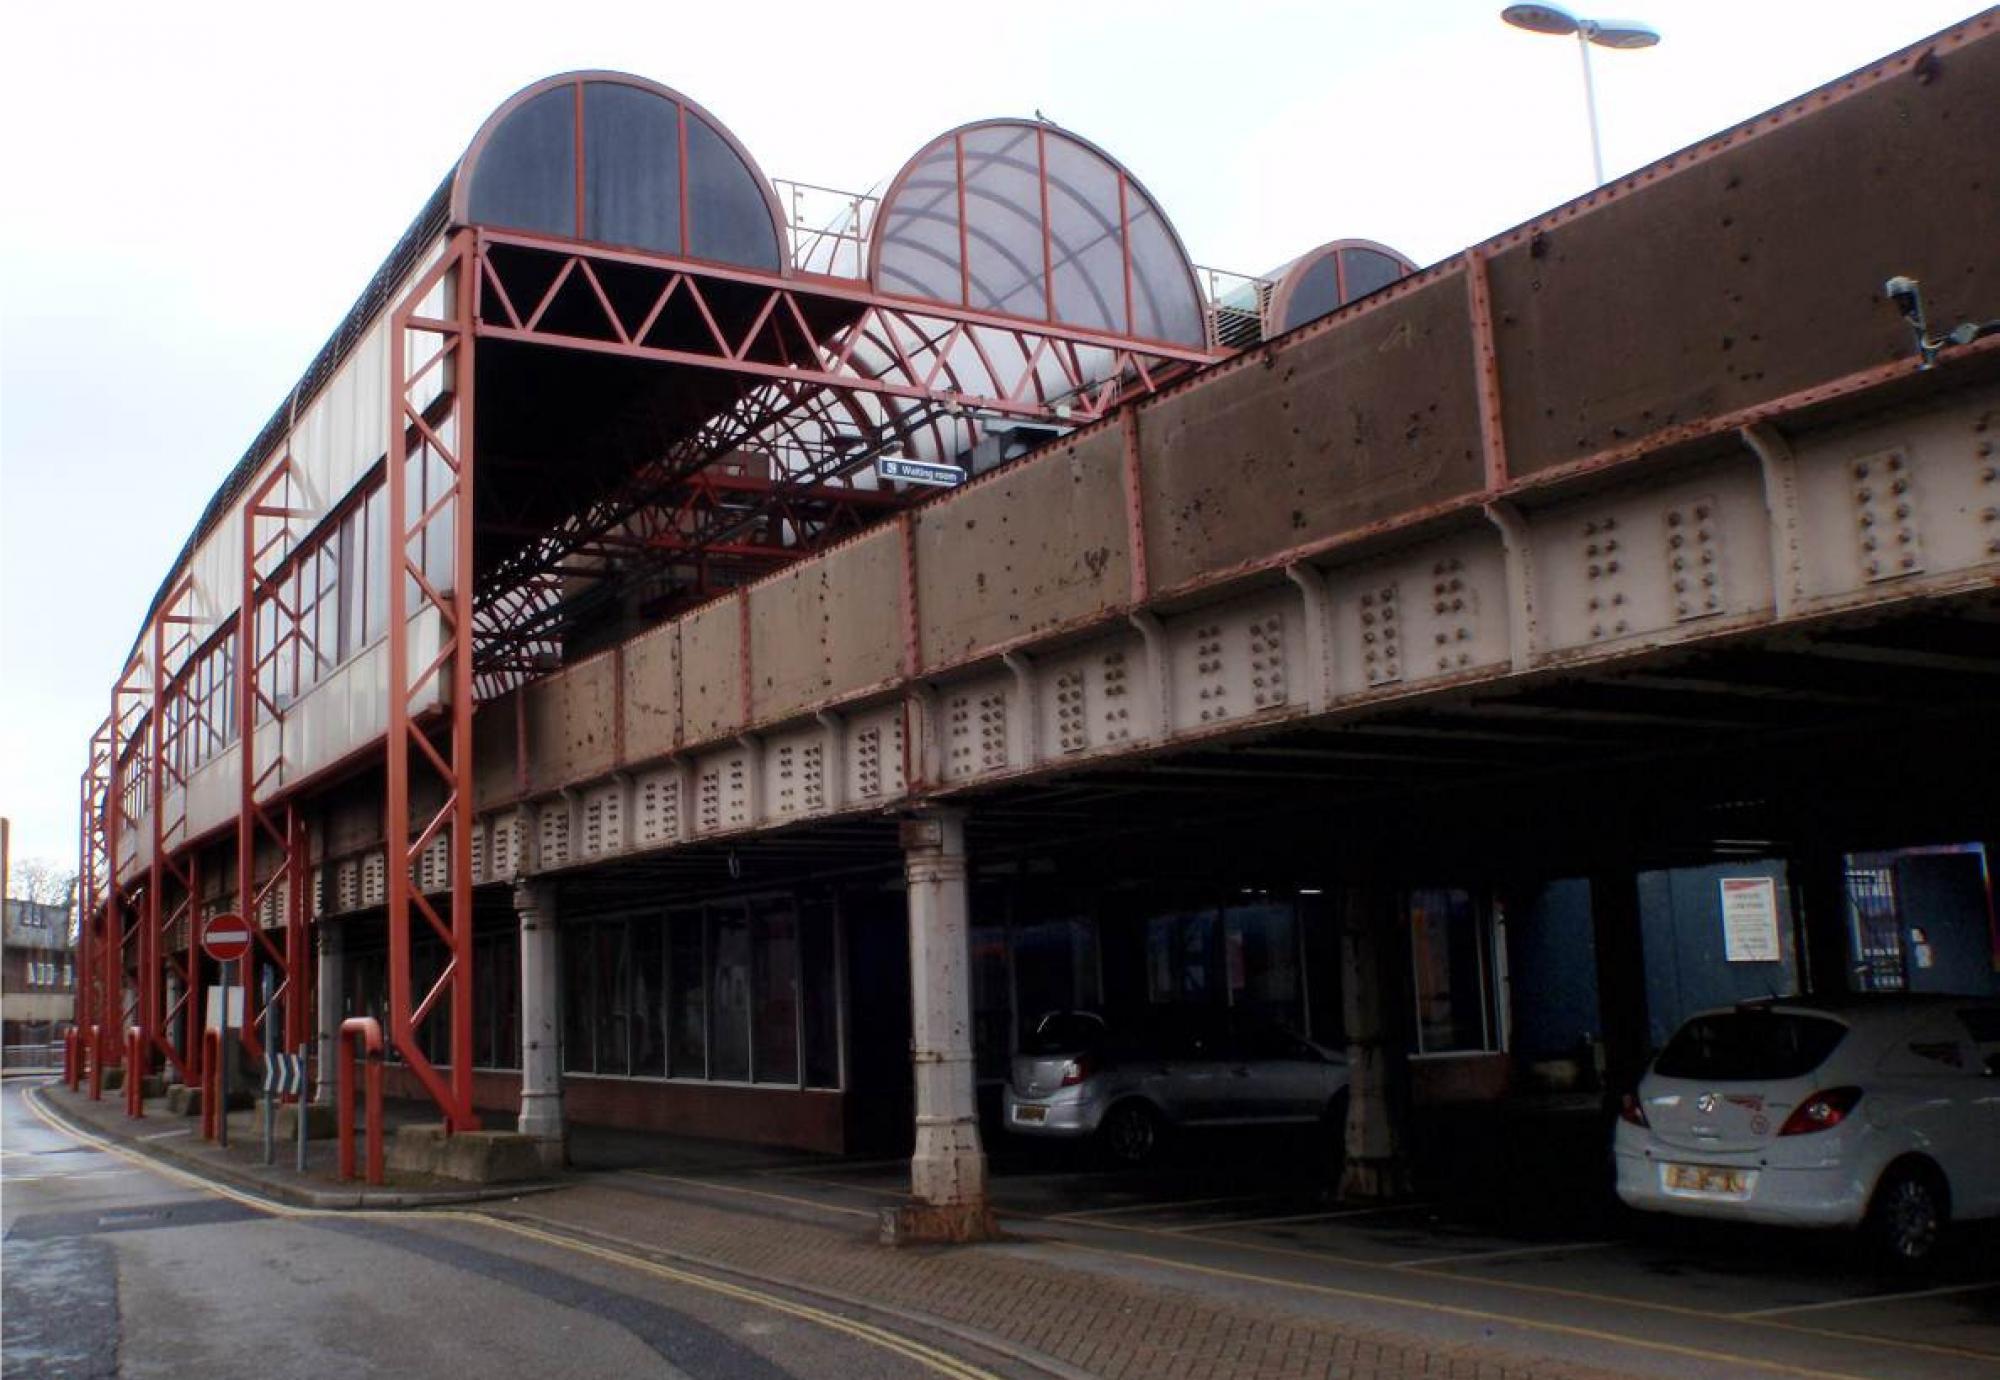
(194, 193)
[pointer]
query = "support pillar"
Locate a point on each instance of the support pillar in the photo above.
(1373, 961)
(948, 1171)
(331, 971)
(541, 1118)
(1624, 1025)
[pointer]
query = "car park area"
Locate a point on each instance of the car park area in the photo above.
(1520, 1237)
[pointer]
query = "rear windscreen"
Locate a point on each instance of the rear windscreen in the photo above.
(1749, 1045)
(1064, 1032)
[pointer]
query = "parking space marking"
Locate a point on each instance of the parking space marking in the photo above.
(1510, 1254)
(1302, 1217)
(1514, 1286)
(876, 1189)
(753, 1193)
(1826, 1304)
(1088, 1214)
(1480, 1315)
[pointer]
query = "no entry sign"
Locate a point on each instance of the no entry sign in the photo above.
(225, 938)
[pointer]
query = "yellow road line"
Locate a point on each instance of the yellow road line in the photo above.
(931, 1358)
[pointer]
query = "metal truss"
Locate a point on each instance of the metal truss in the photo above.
(269, 630)
(173, 862)
(430, 432)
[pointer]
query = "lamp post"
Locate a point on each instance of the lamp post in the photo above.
(1605, 33)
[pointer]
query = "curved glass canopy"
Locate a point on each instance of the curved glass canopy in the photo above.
(618, 160)
(1324, 280)
(1023, 219)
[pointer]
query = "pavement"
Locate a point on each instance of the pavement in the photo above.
(1230, 1259)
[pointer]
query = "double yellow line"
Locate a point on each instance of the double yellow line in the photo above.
(929, 1357)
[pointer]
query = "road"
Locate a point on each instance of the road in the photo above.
(115, 1267)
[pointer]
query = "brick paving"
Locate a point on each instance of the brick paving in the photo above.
(1081, 1318)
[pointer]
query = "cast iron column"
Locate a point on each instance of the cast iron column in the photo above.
(541, 1056)
(948, 1171)
(1374, 961)
(328, 1008)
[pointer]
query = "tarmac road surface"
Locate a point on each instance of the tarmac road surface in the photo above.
(115, 1267)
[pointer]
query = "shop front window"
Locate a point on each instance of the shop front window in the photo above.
(729, 1000)
(687, 990)
(775, 1005)
(1448, 956)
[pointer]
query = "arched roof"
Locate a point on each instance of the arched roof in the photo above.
(1325, 279)
(618, 160)
(1024, 219)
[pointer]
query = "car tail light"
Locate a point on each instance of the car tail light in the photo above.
(1630, 1110)
(1078, 1069)
(1821, 1112)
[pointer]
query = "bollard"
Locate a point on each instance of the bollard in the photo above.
(365, 1031)
(135, 1072)
(69, 1058)
(211, 1082)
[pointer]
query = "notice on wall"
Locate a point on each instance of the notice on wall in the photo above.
(1750, 920)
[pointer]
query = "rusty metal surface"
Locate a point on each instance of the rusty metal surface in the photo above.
(494, 759)
(712, 671)
(651, 666)
(800, 653)
(1754, 268)
(1325, 432)
(570, 722)
(1034, 547)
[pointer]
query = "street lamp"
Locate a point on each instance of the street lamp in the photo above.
(1612, 33)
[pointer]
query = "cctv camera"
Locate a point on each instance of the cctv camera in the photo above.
(1904, 293)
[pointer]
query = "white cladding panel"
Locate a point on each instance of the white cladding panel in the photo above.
(350, 708)
(338, 438)
(213, 791)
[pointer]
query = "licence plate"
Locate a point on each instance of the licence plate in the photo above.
(1710, 1180)
(1031, 1113)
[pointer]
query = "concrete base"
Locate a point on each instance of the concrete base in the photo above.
(154, 1085)
(921, 1224)
(1375, 1181)
(476, 1157)
(321, 1123)
(184, 1099)
(114, 1078)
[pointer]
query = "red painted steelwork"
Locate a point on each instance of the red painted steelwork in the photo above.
(136, 1041)
(419, 431)
(273, 523)
(366, 1032)
(212, 1110)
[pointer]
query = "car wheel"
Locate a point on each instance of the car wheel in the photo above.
(1907, 1217)
(1131, 1133)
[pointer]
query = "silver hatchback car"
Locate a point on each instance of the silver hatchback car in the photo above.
(1876, 1112)
(1080, 1077)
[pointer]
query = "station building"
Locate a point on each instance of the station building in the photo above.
(718, 656)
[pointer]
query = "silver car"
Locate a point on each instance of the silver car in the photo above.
(1080, 1077)
(1875, 1112)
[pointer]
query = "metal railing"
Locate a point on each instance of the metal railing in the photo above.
(1236, 305)
(830, 229)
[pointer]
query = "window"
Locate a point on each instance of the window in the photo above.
(687, 995)
(775, 1007)
(1448, 959)
(579, 989)
(733, 992)
(729, 1001)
